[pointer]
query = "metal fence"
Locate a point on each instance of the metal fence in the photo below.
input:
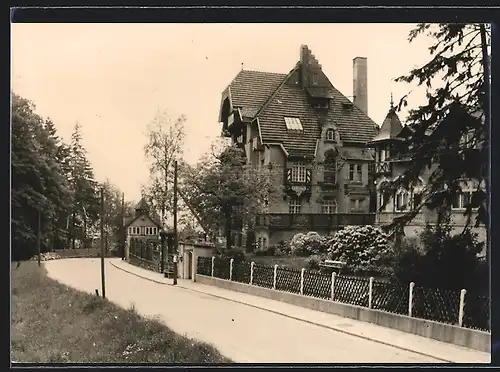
(441, 305)
(146, 254)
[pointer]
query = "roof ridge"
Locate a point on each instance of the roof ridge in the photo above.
(262, 72)
(278, 88)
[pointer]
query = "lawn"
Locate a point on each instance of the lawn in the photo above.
(52, 323)
(289, 261)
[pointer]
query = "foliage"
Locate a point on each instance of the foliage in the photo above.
(164, 146)
(362, 248)
(314, 261)
(224, 192)
(435, 141)
(236, 253)
(282, 249)
(309, 244)
(443, 260)
(85, 207)
(38, 180)
(53, 177)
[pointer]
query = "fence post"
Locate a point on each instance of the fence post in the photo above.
(213, 263)
(370, 292)
(332, 295)
(410, 299)
(302, 281)
(275, 276)
(251, 272)
(231, 268)
(463, 292)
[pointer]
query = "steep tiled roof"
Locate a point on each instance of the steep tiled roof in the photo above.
(291, 100)
(250, 89)
(269, 97)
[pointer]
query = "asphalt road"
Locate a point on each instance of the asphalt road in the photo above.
(244, 334)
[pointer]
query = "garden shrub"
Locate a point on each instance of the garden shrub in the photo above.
(309, 244)
(313, 262)
(362, 248)
(236, 253)
(282, 249)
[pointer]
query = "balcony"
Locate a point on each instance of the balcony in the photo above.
(383, 167)
(314, 221)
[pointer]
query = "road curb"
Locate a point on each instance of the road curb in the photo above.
(138, 275)
(292, 317)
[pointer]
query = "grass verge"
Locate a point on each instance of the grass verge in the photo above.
(52, 323)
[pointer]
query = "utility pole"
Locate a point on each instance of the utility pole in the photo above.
(103, 287)
(39, 234)
(122, 235)
(175, 223)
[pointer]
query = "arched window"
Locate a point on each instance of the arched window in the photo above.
(402, 200)
(381, 197)
(330, 134)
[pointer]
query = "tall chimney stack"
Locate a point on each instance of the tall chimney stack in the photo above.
(360, 83)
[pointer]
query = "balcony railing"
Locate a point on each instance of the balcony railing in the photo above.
(383, 167)
(314, 220)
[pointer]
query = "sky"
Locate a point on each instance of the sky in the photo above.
(113, 78)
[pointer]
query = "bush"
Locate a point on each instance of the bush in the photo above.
(313, 262)
(282, 249)
(309, 244)
(443, 260)
(236, 253)
(362, 248)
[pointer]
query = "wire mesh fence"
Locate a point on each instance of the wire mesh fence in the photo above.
(440, 305)
(351, 290)
(222, 267)
(263, 276)
(204, 266)
(288, 279)
(241, 272)
(476, 312)
(390, 297)
(317, 284)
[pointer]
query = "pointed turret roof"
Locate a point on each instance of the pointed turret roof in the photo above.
(142, 205)
(391, 126)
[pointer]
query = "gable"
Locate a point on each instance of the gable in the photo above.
(143, 220)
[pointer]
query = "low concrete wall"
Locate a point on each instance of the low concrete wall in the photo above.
(473, 339)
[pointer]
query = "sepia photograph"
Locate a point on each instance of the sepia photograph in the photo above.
(249, 193)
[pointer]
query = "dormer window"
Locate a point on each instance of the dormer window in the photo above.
(293, 124)
(330, 135)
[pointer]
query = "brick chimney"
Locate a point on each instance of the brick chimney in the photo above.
(360, 83)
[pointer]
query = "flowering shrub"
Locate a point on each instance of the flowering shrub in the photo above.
(308, 244)
(360, 247)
